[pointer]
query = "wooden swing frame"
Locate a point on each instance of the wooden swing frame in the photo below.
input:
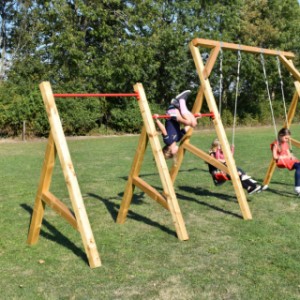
(168, 198)
(206, 92)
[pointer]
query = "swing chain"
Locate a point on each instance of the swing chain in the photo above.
(282, 89)
(236, 94)
(283, 98)
(262, 59)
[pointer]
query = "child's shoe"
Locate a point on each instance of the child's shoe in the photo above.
(245, 177)
(297, 190)
(254, 189)
(184, 95)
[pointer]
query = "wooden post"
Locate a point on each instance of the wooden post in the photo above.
(221, 134)
(57, 143)
(169, 200)
(24, 131)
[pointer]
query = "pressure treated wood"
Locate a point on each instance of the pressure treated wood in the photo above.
(57, 144)
(204, 72)
(210, 100)
(168, 199)
(230, 46)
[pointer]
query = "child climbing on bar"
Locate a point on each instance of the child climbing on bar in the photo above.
(172, 131)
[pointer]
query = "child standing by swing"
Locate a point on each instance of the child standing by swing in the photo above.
(283, 156)
(220, 177)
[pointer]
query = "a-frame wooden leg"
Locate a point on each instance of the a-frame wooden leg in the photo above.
(58, 141)
(134, 172)
(44, 185)
(169, 201)
(221, 134)
(196, 109)
(161, 164)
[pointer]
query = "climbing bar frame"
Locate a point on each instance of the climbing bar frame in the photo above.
(168, 198)
(57, 145)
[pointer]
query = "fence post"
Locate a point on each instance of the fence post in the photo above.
(24, 131)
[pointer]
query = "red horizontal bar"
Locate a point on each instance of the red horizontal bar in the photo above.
(196, 115)
(96, 95)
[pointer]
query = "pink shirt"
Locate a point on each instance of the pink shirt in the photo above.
(219, 155)
(282, 150)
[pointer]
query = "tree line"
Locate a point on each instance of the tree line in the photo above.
(108, 45)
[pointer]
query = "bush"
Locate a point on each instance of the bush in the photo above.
(126, 120)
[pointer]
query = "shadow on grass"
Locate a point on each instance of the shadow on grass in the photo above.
(57, 236)
(204, 192)
(125, 178)
(113, 209)
(281, 192)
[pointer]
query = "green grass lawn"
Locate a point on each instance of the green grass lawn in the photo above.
(226, 257)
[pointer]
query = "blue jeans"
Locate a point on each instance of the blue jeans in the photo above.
(297, 173)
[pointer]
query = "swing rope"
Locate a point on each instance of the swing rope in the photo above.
(283, 99)
(236, 95)
(268, 91)
(282, 90)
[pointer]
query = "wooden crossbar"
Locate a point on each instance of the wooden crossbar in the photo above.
(230, 46)
(60, 208)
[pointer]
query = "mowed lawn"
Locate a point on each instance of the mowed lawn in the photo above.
(225, 257)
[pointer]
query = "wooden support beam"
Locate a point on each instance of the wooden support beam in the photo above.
(290, 67)
(270, 172)
(150, 191)
(206, 157)
(44, 185)
(60, 208)
(295, 143)
(169, 200)
(134, 172)
(220, 131)
(197, 42)
(161, 164)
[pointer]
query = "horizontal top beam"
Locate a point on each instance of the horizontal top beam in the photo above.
(230, 46)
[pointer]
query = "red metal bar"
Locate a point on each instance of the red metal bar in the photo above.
(96, 95)
(196, 115)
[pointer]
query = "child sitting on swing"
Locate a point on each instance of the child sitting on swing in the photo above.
(283, 156)
(220, 177)
(171, 131)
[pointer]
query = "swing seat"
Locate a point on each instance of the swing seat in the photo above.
(219, 178)
(286, 163)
